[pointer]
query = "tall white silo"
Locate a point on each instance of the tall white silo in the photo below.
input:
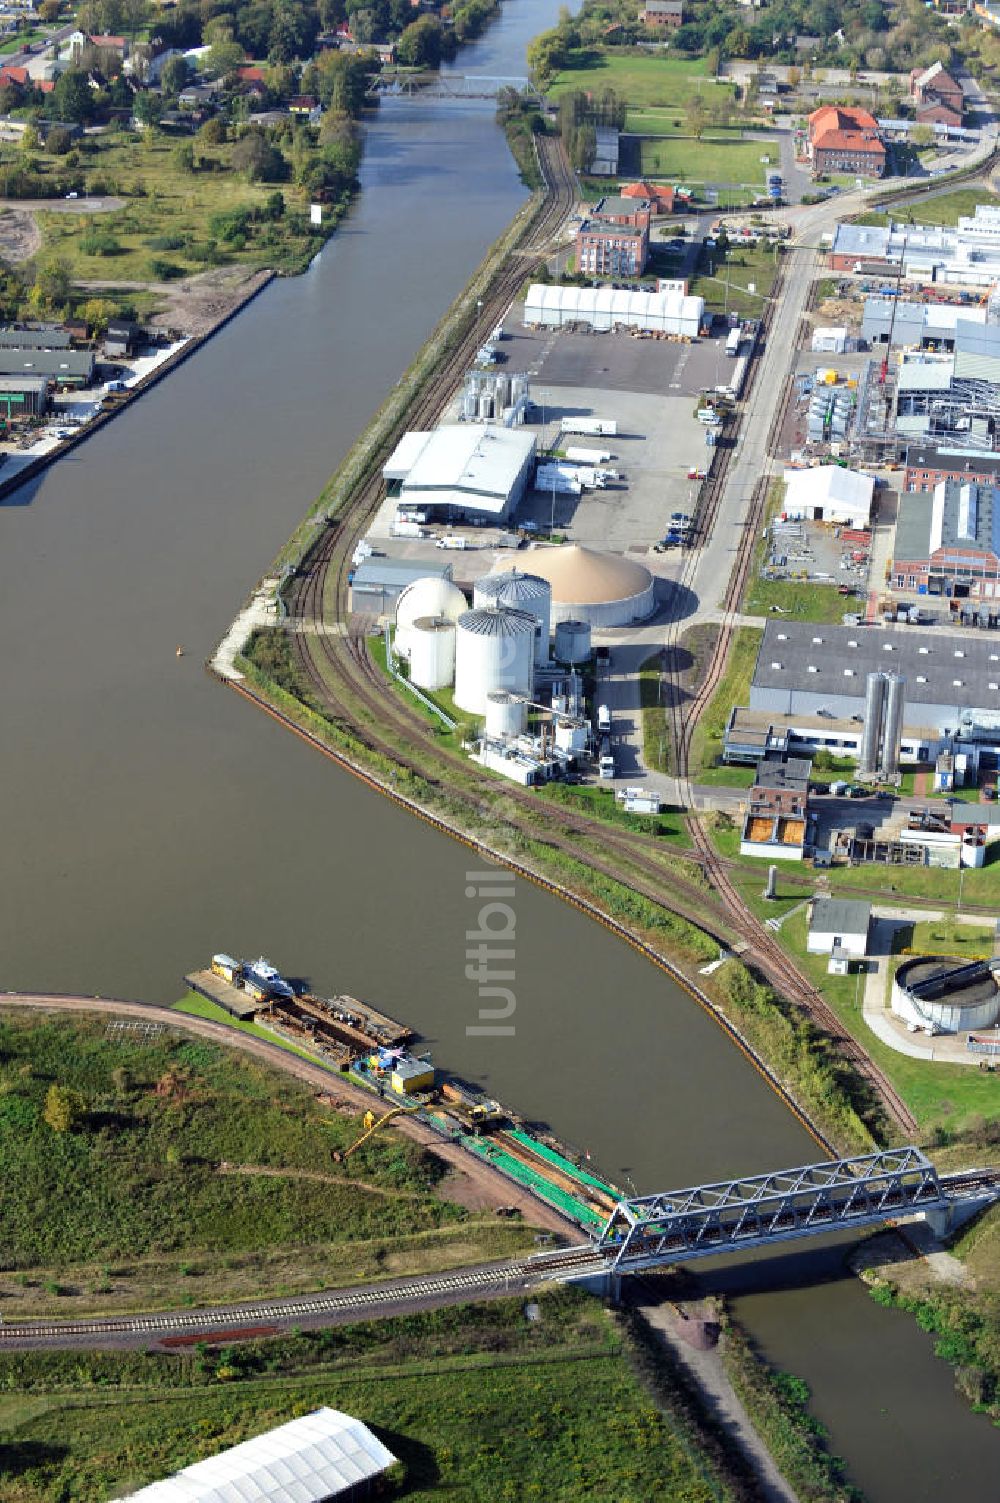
(521, 592)
(432, 652)
(494, 649)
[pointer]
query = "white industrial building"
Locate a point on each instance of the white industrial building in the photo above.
(521, 592)
(494, 650)
(605, 308)
(599, 589)
(966, 255)
(462, 469)
(830, 341)
(839, 924)
(828, 493)
(319, 1457)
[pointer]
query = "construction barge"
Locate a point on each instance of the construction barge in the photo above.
(371, 1048)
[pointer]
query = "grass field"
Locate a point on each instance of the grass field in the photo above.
(948, 937)
(671, 122)
(167, 205)
(138, 1182)
(478, 1404)
(602, 803)
(683, 159)
(639, 79)
(733, 689)
(800, 600)
(723, 278)
(945, 208)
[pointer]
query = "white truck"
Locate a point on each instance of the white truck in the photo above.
(595, 427)
(603, 720)
(551, 477)
(588, 456)
(401, 529)
(605, 761)
(451, 540)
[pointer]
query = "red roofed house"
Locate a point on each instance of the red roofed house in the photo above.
(939, 97)
(45, 85)
(17, 76)
(251, 73)
(660, 196)
(846, 140)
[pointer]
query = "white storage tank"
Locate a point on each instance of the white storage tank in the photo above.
(506, 713)
(572, 641)
(494, 649)
(432, 652)
(939, 994)
(521, 592)
(432, 596)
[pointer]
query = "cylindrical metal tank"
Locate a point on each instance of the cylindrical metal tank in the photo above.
(432, 652)
(470, 403)
(506, 713)
(571, 736)
(485, 404)
(521, 592)
(892, 724)
(944, 995)
(494, 649)
(871, 733)
(572, 641)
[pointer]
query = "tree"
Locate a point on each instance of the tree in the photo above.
(214, 132)
(420, 44)
(30, 140)
(259, 159)
(697, 116)
(72, 98)
(225, 54)
(49, 10)
(50, 291)
(147, 108)
(98, 313)
(64, 1108)
(175, 75)
(183, 156)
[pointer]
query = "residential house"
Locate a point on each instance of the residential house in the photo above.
(846, 140)
(663, 14)
(660, 196)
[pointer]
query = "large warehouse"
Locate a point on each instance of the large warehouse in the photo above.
(967, 255)
(952, 682)
(602, 589)
(463, 469)
(828, 493)
(605, 308)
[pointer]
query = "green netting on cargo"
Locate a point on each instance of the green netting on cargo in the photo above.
(575, 1209)
(566, 1165)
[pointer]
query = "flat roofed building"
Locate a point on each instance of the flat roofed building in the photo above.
(967, 254)
(948, 542)
(64, 367)
(23, 396)
(928, 464)
(377, 583)
(915, 323)
(469, 469)
(319, 1457)
(605, 163)
(611, 250)
(750, 734)
(631, 211)
(604, 308)
(951, 682)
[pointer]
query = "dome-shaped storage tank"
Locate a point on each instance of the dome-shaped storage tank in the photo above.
(602, 588)
(494, 649)
(506, 713)
(521, 592)
(572, 641)
(432, 596)
(432, 652)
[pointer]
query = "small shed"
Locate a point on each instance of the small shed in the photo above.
(829, 341)
(839, 926)
(122, 338)
(410, 1075)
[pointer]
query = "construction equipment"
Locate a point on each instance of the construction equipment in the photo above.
(371, 1125)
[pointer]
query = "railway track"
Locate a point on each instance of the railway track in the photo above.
(763, 949)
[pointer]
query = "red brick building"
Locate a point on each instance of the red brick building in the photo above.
(630, 212)
(658, 195)
(935, 85)
(846, 140)
(662, 14)
(927, 466)
(611, 250)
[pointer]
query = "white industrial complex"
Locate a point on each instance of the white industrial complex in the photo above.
(462, 469)
(828, 493)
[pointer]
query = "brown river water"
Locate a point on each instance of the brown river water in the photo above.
(150, 816)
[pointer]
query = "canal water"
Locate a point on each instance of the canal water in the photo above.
(152, 817)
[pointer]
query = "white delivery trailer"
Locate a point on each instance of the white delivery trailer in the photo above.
(603, 719)
(548, 477)
(407, 530)
(606, 761)
(733, 342)
(596, 427)
(588, 456)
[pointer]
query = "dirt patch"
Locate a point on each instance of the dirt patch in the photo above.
(194, 305)
(20, 237)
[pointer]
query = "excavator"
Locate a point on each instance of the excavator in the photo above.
(371, 1125)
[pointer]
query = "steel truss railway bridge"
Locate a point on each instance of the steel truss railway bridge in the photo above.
(646, 1232)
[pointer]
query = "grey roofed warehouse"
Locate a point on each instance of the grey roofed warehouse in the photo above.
(803, 669)
(67, 367)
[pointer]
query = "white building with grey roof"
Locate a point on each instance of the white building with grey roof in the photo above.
(948, 542)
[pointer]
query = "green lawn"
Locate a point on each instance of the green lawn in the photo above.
(639, 79)
(945, 208)
(733, 689)
(723, 278)
(683, 159)
(941, 1096)
(948, 937)
(478, 1403)
(602, 804)
(796, 598)
(671, 122)
(137, 1180)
